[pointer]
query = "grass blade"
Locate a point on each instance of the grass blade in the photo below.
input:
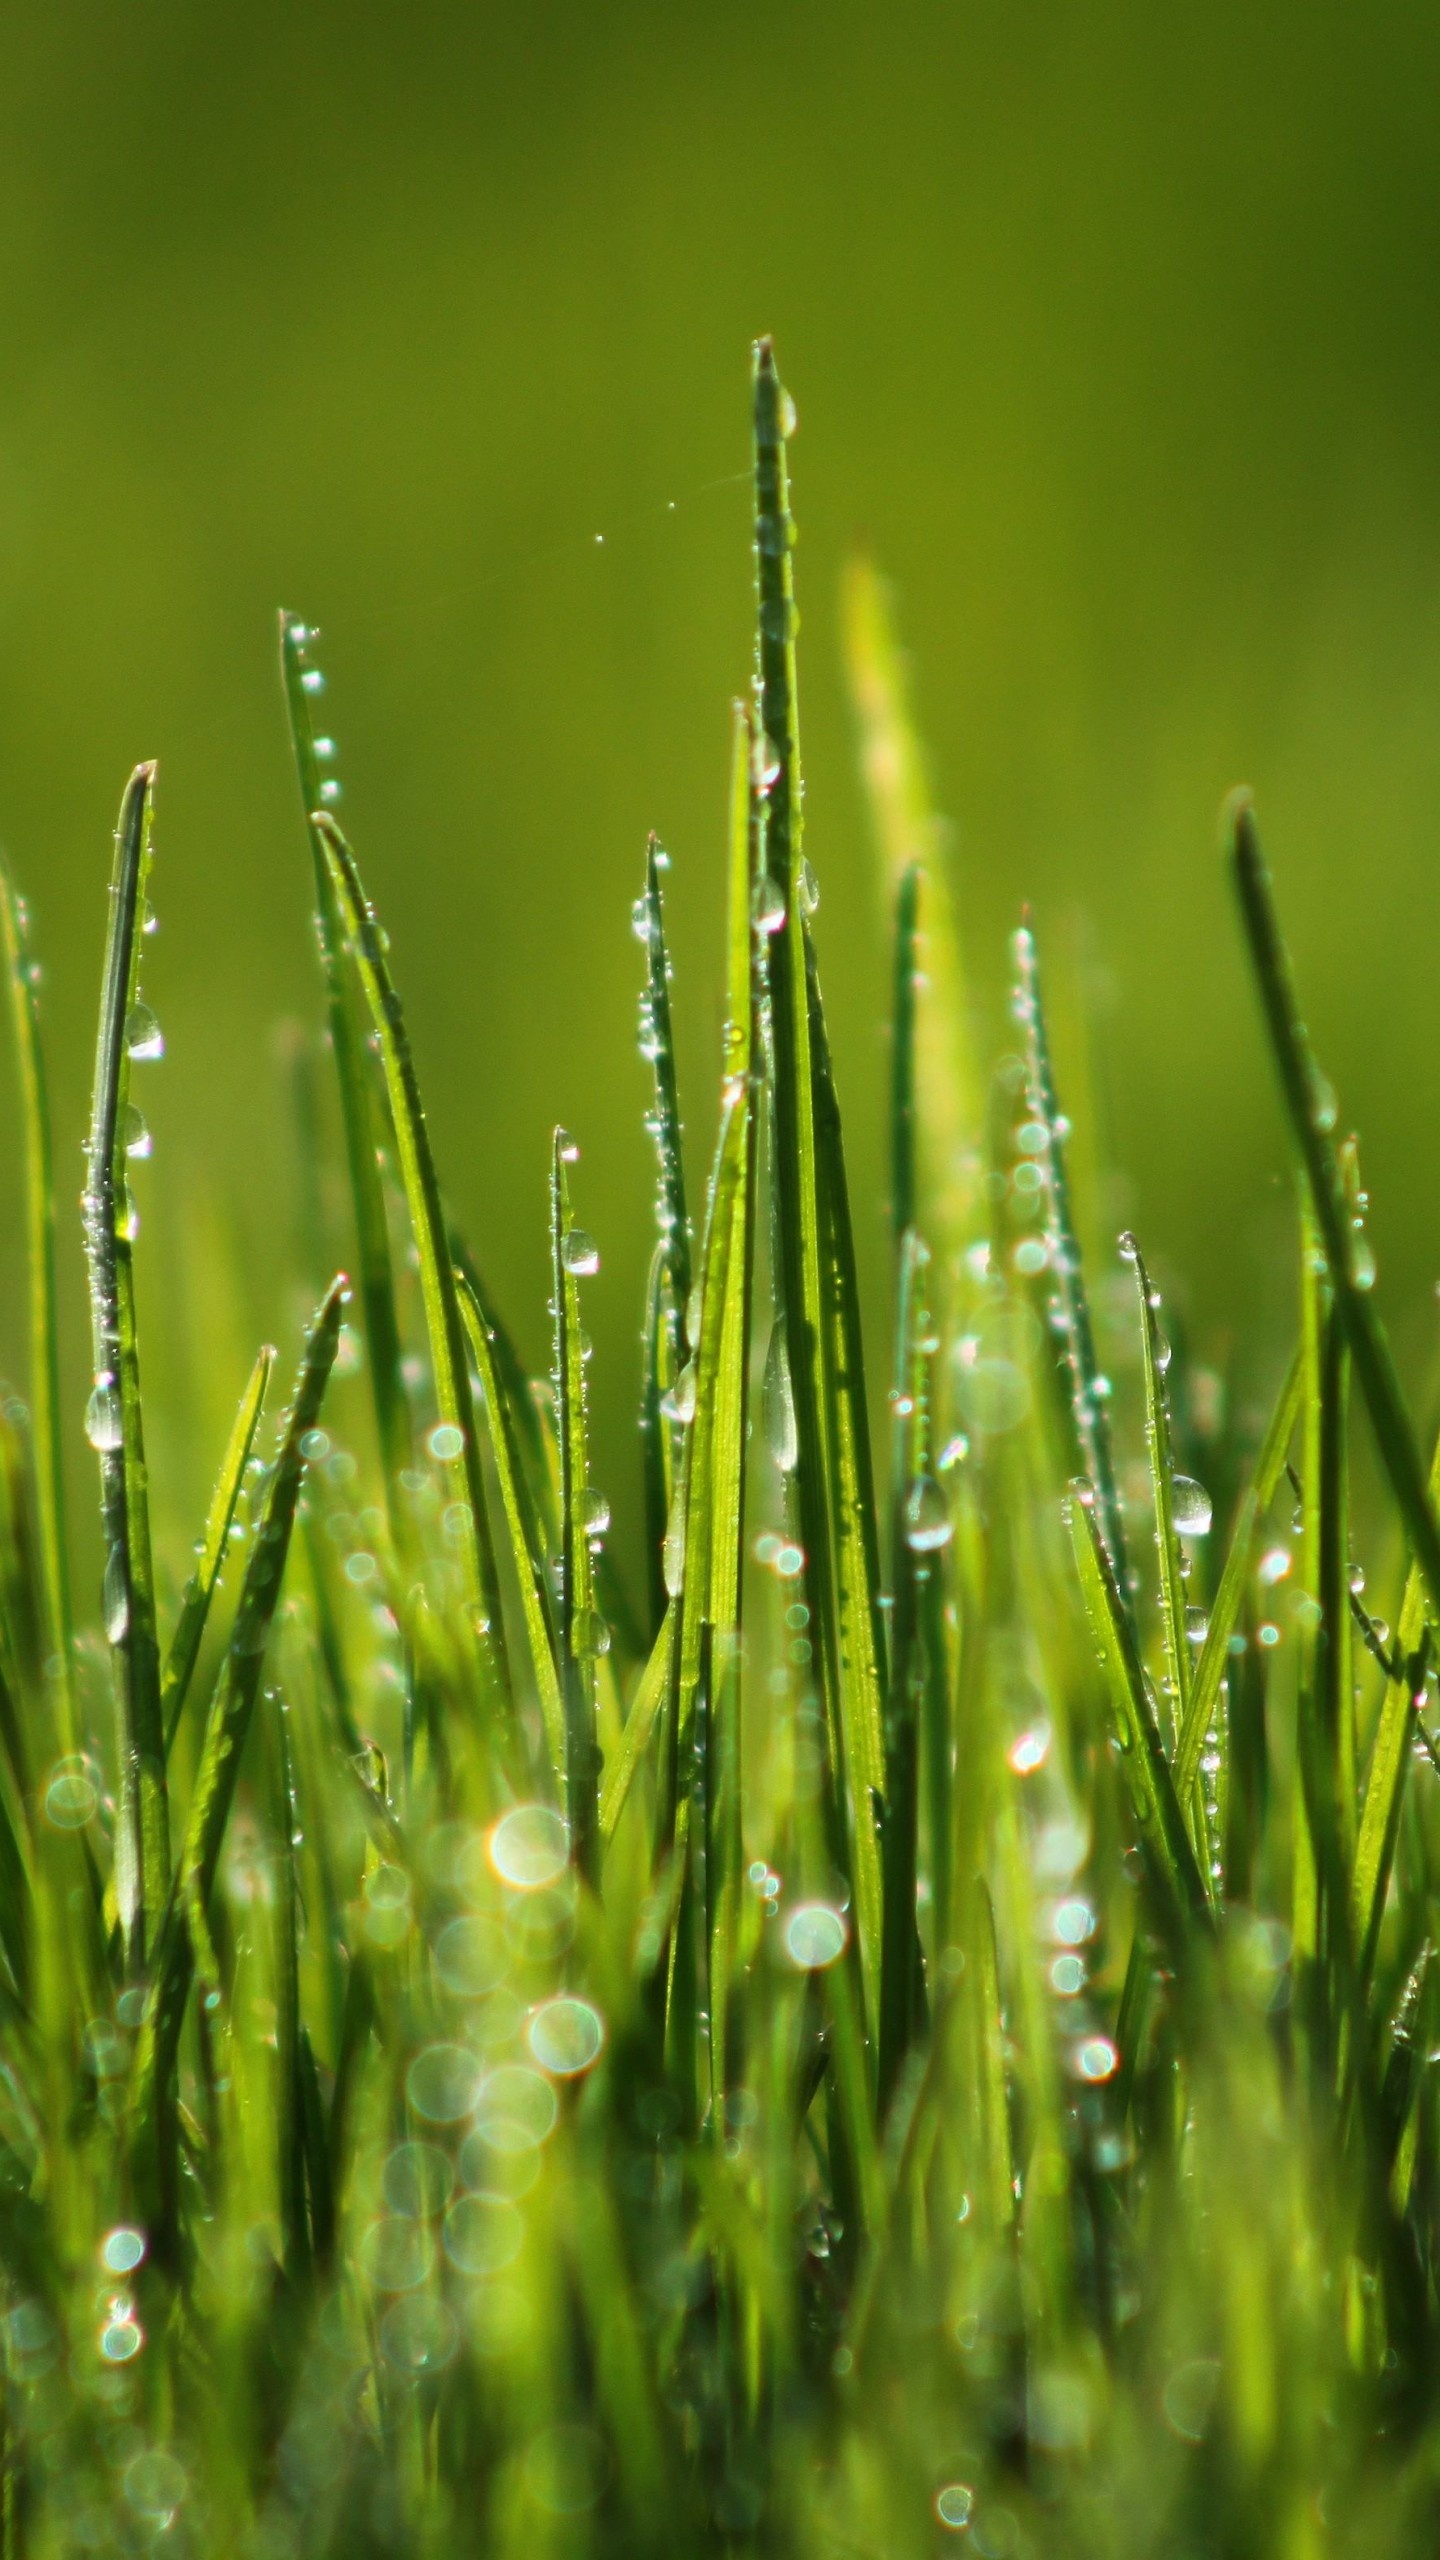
(583, 1634)
(1389, 1761)
(114, 1421)
(668, 1348)
(526, 1553)
(199, 1591)
(454, 1442)
(1155, 1357)
(24, 976)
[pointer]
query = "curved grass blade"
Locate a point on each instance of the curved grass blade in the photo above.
(1178, 1890)
(1087, 1403)
(1224, 1615)
(200, 1589)
(1311, 1110)
(142, 1837)
(443, 1321)
(24, 977)
(582, 1633)
(526, 1554)
(183, 1941)
(1155, 1358)
(645, 1706)
(303, 681)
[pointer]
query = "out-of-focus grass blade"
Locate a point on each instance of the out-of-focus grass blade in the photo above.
(526, 1555)
(1259, 1494)
(1087, 1396)
(583, 1633)
(176, 1953)
(668, 1347)
(919, 1528)
(114, 1421)
(295, 2252)
(454, 1441)
(304, 681)
(907, 835)
(1179, 1891)
(24, 977)
(200, 1589)
(902, 1059)
(1389, 1761)
(1312, 1114)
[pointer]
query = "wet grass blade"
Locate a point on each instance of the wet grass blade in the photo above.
(199, 1591)
(1311, 1111)
(645, 1706)
(583, 1635)
(1225, 1614)
(526, 1552)
(454, 1442)
(177, 1951)
(902, 1060)
(24, 978)
(114, 1419)
(1390, 1755)
(304, 681)
(1155, 1357)
(668, 1347)
(915, 1517)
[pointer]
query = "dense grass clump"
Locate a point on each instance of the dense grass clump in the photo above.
(914, 2025)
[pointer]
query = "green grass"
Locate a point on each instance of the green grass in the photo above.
(910, 2029)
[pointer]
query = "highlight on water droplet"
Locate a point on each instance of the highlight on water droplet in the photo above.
(1190, 1507)
(446, 1441)
(678, 1405)
(121, 2338)
(580, 1254)
(566, 2036)
(782, 1437)
(530, 1846)
(115, 1596)
(954, 2506)
(595, 1512)
(137, 1138)
(589, 1635)
(769, 907)
(1030, 1750)
(143, 1036)
(104, 1424)
(122, 2249)
(815, 1936)
(1094, 2058)
(71, 1795)
(927, 1520)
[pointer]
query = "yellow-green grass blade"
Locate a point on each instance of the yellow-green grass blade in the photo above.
(1225, 1613)
(184, 1649)
(177, 1953)
(917, 1515)
(1390, 1755)
(526, 1554)
(645, 1706)
(903, 1193)
(303, 682)
(1178, 1891)
(1160, 1451)
(24, 979)
(668, 1348)
(114, 1419)
(949, 1108)
(583, 1634)
(459, 1447)
(1310, 1109)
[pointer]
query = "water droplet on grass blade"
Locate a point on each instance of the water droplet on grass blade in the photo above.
(115, 1596)
(815, 1936)
(595, 1512)
(446, 1441)
(769, 904)
(580, 1254)
(927, 1517)
(589, 1635)
(778, 1397)
(143, 1036)
(138, 1141)
(1191, 1507)
(104, 1427)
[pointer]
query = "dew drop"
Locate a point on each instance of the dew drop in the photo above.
(1190, 1505)
(138, 1141)
(815, 1936)
(678, 1405)
(143, 1036)
(589, 1635)
(104, 1424)
(580, 1254)
(769, 904)
(809, 890)
(782, 1436)
(927, 1517)
(446, 1441)
(595, 1512)
(115, 1597)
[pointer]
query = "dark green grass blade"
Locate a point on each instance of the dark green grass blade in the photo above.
(1224, 1616)
(667, 1344)
(443, 1321)
(1389, 1761)
(142, 1845)
(1087, 1401)
(177, 1952)
(374, 1269)
(23, 971)
(199, 1591)
(582, 1633)
(526, 1553)
(295, 2251)
(1311, 1114)
(1178, 1889)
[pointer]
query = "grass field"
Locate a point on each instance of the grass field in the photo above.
(910, 2026)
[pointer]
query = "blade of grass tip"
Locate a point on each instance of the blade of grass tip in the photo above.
(304, 681)
(902, 1060)
(1155, 1352)
(199, 1591)
(1178, 1890)
(113, 1419)
(801, 1258)
(1088, 1390)
(454, 1441)
(526, 1554)
(1224, 1615)
(667, 1330)
(24, 976)
(1312, 1114)
(177, 1952)
(583, 1634)
(1389, 1762)
(908, 834)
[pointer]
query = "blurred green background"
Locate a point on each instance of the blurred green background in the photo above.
(1112, 328)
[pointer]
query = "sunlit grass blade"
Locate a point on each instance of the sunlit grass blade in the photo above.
(176, 1953)
(24, 978)
(1155, 1358)
(1178, 1890)
(526, 1553)
(303, 682)
(114, 1421)
(908, 837)
(583, 1634)
(1390, 1754)
(902, 1059)
(1311, 1110)
(645, 1706)
(1239, 1560)
(920, 1528)
(668, 1348)
(453, 1442)
(199, 1591)
(1088, 1392)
